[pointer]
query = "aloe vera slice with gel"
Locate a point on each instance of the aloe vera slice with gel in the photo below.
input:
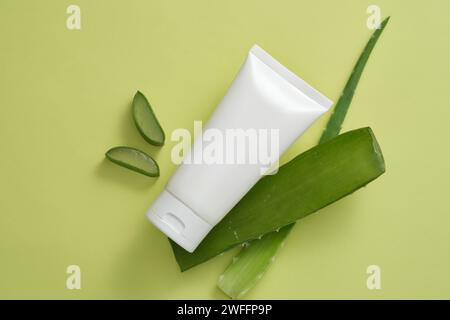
(146, 121)
(133, 159)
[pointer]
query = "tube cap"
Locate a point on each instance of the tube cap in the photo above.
(178, 221)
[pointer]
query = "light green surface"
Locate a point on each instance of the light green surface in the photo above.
(65, 98)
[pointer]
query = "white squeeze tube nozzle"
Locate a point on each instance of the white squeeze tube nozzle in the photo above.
(265, 95)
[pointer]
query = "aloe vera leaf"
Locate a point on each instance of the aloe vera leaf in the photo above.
(334, 125)
(251, 263)
(234, 281)
(146, 121)
(133, 159)
(309, 182)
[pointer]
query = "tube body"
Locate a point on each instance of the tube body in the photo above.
(264, 97)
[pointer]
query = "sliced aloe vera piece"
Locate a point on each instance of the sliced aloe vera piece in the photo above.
(304, 185)
(243, 274)
(134, 159)
(251, 263)
(146, 121)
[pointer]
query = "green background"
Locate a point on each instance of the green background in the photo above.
(65, 99)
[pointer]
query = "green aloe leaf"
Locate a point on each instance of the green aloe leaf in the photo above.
(309, 182)
(334, 124)
(133, 159)
(253, 261)
(146, 121)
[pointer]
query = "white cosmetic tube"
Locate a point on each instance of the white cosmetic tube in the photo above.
(264, 96)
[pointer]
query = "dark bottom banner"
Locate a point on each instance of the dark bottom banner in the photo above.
(219, 309)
